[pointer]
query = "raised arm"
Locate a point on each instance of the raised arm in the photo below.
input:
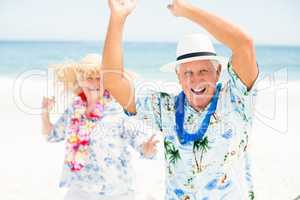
(47, 105)
(114, 76)
(241, 44)
(53, 132)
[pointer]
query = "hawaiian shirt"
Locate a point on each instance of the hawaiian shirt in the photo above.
(108, 170)
(218, 165)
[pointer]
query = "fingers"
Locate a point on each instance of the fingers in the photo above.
(48, 102)
(155, 142)
(170, 6)
(151, 138)
(152, 141)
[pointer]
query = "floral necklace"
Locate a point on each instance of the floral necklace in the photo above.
(82, 124)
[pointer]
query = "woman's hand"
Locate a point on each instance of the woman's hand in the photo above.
(122, 8)
(48, 104)
(149, 147)
(178, 7)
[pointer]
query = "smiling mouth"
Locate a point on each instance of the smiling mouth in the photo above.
(198, 91)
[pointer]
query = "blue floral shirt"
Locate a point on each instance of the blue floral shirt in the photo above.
(218, 166)
(108, 170)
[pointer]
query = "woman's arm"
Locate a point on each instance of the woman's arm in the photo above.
(241, 44)
(47, 105)
(115, 79)
(53, 132)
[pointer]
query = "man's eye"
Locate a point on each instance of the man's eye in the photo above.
(203, 71)
(188, 74)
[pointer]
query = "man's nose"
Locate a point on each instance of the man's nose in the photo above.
(197, 77)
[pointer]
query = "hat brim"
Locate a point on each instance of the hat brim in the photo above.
(171, 67)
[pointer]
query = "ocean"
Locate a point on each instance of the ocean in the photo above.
(145, 58)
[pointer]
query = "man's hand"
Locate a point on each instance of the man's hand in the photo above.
(178, 7)
(241, 44)
(149, 147)
(122, 8)
(114, 79)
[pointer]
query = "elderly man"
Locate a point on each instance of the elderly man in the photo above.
(206, 127)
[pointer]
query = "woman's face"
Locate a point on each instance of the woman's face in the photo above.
(91, 86)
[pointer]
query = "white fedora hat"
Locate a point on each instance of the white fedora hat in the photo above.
(193, 47)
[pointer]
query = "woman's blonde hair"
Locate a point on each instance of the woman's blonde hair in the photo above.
(71, 73)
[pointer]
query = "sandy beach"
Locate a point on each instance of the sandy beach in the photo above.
(30, 167)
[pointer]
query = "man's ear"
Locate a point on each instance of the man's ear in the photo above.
(177, 73)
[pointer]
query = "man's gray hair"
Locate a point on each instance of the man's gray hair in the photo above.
(215, 64)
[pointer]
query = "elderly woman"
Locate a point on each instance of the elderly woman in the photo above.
(97, 135)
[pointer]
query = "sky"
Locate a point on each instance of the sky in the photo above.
(267, 21)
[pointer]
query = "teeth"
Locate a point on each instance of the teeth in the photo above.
(198, 91)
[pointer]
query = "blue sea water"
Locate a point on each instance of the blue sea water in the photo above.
(145, 58)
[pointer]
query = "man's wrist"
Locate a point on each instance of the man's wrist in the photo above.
(187, 10)
(120, 19)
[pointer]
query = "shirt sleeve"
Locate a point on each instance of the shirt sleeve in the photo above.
(241, 98)
(57, 133)
(138, 133)
(148, 107)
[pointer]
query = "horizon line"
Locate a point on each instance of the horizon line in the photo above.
(135, 41)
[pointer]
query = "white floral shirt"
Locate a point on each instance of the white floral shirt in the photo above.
(108, 170)
(218, 166)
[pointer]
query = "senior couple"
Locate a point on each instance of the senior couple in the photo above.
(206, 127)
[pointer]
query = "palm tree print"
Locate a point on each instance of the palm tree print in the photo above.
(202, 146)
(171, 153)
(196, 147)
(251, 195)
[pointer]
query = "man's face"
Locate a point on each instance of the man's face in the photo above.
(198, 80)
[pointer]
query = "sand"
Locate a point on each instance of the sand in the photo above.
(30, 167)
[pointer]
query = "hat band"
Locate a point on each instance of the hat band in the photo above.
(196, 54)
